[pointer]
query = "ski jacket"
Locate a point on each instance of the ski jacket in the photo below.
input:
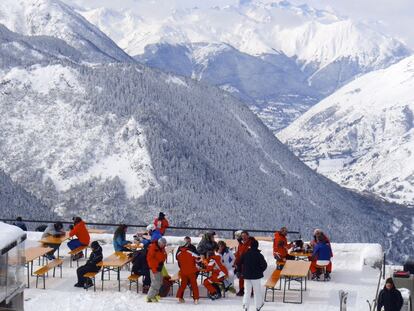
(156, 257)
(322, 251)
(242, 249)
(95, 257)
(390, 299)
(161, 225)
(206, 245)
(119, 242)
(187, 261)
(253, 264)
(280, 245)
(81, 233)
(228, 258)
(216, 268)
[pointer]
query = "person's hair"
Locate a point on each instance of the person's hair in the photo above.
(58, 225)
(120, 231)
(162, 241)
(187, 238)
(320, 238)
(77, 220)
(222, 243)
(390, 281)
(95, 245)
(161, 216)
(245, 231)
(254, 244)
(19, 218)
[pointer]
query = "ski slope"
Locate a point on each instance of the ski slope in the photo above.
(352, 273)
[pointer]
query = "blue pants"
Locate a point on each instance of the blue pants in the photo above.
(73, 244)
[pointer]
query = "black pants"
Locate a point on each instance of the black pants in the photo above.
(54, 246)
(85, 269)
(145, 274)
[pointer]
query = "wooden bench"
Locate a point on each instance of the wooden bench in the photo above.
(271, 283)
(45, 269)
(133, 278)
(91, 275)
(76, 251)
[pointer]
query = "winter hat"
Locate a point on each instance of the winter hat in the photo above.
(150, 227)
(161, 215)
(237, 234)
(162, 242)
(95, 245)
(390, 281)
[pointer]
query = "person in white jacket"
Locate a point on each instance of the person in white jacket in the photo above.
(228, 259)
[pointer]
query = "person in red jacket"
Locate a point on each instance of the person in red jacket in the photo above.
(187, 261)
(244, 244)
(161, 223)
(81, 232)
(218, 273)
(281, 245)
(156, 257)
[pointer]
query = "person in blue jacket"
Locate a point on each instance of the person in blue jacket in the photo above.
(120, 239)
(153, 235)
(321, 256)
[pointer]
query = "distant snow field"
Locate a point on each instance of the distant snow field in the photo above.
(352, 272)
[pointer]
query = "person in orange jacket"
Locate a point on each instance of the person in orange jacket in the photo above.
(244, 244)
(187, 261)
(281, 245)
(218, 273)
(156, 257)
(81, 232)
(161, 223)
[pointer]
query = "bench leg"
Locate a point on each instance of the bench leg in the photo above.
(70, 261)
(130, 285)
(61, 268)
(119, 279)
(94, 284)
(44, 281)
(102, 277)
(37, 280)
(54, 270)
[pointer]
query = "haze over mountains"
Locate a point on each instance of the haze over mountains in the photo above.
(278, 57)
(116, 141)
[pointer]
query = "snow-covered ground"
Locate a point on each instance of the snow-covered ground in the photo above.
(352, 273)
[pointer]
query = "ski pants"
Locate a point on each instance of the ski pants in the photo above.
(258, 296)
(185, 280)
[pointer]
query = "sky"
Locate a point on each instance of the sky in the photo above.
(392, 17)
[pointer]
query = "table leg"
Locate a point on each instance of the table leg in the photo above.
(102, 277)
(28, 274)
(284, 288)
(119, 279)
(301, 291)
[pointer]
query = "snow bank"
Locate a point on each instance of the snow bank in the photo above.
(9, 234)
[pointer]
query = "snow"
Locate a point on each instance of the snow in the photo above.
(9, 234)
(176, 80)
(362, 136)
(287, 192)
(352, 273)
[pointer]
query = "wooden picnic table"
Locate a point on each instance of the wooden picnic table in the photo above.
(114, 263)
(31, 254)
(55, 240)
(97, 231)
(134, 246)
(301, 254)
(264, 238)
(232, 244)
(295, 270)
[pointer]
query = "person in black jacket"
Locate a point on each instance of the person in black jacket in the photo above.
(207, 244)
(253, 265)
(19, 223)
(389, 297)
(90, 266)
(140, 267)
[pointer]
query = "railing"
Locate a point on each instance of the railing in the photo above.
(175, 228)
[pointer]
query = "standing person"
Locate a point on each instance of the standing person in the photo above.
(253, 265)
(187, 244)
(227, 259)
(153, 234)
(81, 232)
(155, 258)
(218, 273)
(321, 256)
(161, 223)
(281, 245)
(120, 241)
(55, 230)
(19, 223)
(207, 244)
(91, 266)
(244, 245)
(187, 261)
(389, 297)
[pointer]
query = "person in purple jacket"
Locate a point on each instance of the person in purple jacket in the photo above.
(321, 256)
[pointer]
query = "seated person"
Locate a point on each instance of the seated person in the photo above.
(281, 246)
(321, 256)
(217, 274)
(140, 267)
(81, 232)
(228, 260)
(55, 230)
(187, 262)
(91, 266)
(153, 234)
(323, 236)
(120, 239)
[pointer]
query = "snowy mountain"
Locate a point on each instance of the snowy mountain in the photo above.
(362, 136)
(121, 142)
(55, 19)
(320, 50)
